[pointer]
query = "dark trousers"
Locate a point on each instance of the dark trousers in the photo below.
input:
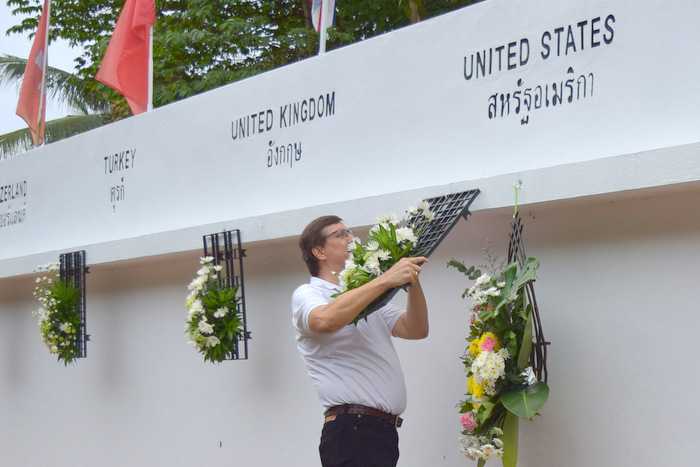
(359, 441)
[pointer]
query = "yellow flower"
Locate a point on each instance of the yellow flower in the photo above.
(489, 342)
(474, 388)
(473, 348)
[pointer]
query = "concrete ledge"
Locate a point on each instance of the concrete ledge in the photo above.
(639, 173)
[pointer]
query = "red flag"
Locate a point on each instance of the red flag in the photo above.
(32, 94)
(125, 66)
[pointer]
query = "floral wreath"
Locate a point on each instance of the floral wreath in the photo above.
(59, 318)
(389, 240)
(213, 324)
(501, 384)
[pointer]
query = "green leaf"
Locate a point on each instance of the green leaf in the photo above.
(526, 345)
(481, 463)
(511, 343)
(510, 440)
(485, 411)
(528, 273)
(525, 402)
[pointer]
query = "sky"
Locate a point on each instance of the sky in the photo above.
(60, 56)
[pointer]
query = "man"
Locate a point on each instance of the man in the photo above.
(355, 369)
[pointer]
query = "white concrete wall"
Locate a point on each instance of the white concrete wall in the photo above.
(617, 290)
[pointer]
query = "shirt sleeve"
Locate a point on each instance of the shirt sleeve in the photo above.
(391, 314)
(304, 300)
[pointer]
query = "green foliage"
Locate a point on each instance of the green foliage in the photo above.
(526, 345)
(501, 314)
(526, 402)
(59, 128)
(62, 87)
(60, 323)
(227, 329)
(471, 272)
(202, 44)
(510, 440)
(198, 45)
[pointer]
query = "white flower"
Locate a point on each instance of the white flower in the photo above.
(206, 259)
(388, 219)
(350, 263)
(492, 292)
(221, 312)
(383, 255)
(352, 244)
(54, 349)
(424, 206)
(405, 234)
(482, 279)
(38, 279)
(218, 268)
(198, 283)
(429, 216)
(372, 245)
(65, 327)
(488, 450)
(196, 307)
(203, 271)
(372, 265)
(205, 328)
(212, 341)
(497, 442)
(488, 367)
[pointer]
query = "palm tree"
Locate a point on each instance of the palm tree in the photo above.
(93, 109)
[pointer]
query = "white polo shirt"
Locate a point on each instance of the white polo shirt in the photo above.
(356, 364)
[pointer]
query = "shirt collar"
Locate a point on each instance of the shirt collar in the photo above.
(317, 281)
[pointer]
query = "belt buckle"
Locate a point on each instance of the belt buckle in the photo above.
(398, 421)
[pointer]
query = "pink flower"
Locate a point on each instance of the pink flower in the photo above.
(488, 343)
(468, 422)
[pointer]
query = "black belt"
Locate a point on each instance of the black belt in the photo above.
(356, 409)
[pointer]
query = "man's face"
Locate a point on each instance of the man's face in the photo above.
(335, 247)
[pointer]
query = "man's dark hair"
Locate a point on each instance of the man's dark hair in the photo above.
(311, 237)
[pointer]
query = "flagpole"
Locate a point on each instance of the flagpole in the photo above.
(150, 70)
(322, 24)
(42, 91)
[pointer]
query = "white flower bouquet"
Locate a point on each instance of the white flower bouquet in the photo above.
(213, 322)
(59, 318)
(389, 240)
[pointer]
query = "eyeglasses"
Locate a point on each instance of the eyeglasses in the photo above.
(340, 233)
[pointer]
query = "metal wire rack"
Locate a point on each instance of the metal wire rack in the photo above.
(516, 252)
(447, 210)
(225, 248)
(72, 271)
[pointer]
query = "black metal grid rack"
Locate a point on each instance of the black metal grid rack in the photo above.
(72, 270)
(225, 248)
(447, 210)
(516, 252)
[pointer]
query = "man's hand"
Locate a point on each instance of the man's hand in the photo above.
(404, 272)
(341, 312)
